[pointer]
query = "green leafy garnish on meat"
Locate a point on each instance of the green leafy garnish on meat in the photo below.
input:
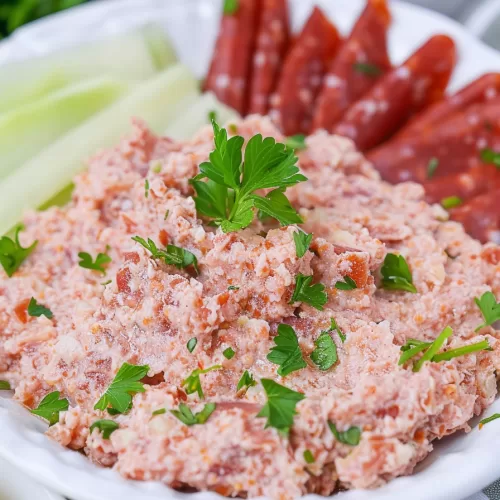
(186, 416)
(228, 353)
(228, 197)
(191, 344)
(286, 353)
(12, 254)
(280, 407)
(486, 420)
(193, 382)
(118, 395)
(160, 411)
(432, 167)
(296, 142)
(308, 457)
(98, 265)
(171, 255)
(490, 156)
(490, 309)
(50, 407)
(4, 385)
(325, 354)
(230, 7)
(335, 327)
(212, 116)
(302, 243)
(347, 284)
(369, 69)
(350, 437)
(396, 274)
(433, 348)
(246, 381)
(107, 427)
(314, 295)
(146, 188)
(451, 202)
(35, 309)
(483, 345)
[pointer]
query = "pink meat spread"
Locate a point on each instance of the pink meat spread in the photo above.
(144, 312)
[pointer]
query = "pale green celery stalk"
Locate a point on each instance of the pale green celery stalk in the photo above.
(29, 129)
(158, 101)
(130, 57)
(197, 115)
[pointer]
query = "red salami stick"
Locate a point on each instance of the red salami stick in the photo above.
(302, 73)
(230, 66)
(420, 81)
(271, 46)
(481, 216)
(361, 61)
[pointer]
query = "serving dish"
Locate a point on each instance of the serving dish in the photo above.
(70, 473)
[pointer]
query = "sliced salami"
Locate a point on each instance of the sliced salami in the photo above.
(271, 45)
(402, 92)
(302, 74)
(361, 61)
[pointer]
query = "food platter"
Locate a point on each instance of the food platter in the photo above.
(70, 473)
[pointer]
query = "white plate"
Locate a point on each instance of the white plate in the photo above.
(459, 466)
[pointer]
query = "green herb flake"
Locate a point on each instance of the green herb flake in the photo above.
(146, 188)
(432, 167)
(246, 381)
(230, 7)
(483, 345)
(50, 407)
(106, 283)
(490, 309)
(101, 260)
(156, 169)
(191, 344)
(232, 287)
(335, 327)
(308, 457)
(325, 354)
(302, 243)
(314, 295)
(107, 427)
(350, 437)
(286, 353)
(296, 142)
(193, 382)
(367, 69)
(35, 309)
(212, 116)
(490, 156)
(396, 274)
(118, 395)
(451, 202)
(228, 353)
(433, 348)
(486, 420)
(160, 411)
(186, 416)
(347, 284)
(167, 213)
(4, 385)
(12, 254)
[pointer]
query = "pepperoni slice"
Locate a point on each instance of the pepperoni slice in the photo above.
(481, 216)
(360, 62)
(272, 42)
(302, 74)
(230, 66)
(402, 92)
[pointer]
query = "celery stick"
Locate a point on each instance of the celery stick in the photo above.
(197, 115)
(134, 56)
(158, 101)
(27, 130)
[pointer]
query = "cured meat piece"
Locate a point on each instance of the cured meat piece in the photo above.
(271, 45)
(485, 88)
(302, 73)
(455, 146)
(361, 61)
(402, 92)
(481, 216)
(230, 67)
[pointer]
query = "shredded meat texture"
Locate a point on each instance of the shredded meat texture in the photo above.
(144, 311)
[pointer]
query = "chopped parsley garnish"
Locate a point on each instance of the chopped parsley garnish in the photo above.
(246, 381)
(4, 385)
(396, 274)
(232, 287)
(167, 213)
(296, 142)
(212, 116)
(367, 68)
(193, 382)
(228, 353)
(191, 344)
(335, 327)
(286, 353)
(490, 309)
(228, 196)
(431, 167)
(347, 284)
(280, 407)
(230, 7)
(488, 419)
(490, 156)
(171, 255)
(107, 427)
(325, 354)
(106, 283)
(186, 416)
(314, 295)
(451, 202)
(350, 437)
(308, 457)
(118, 395)
(100, 261)
(37, 310)
(50, 407)
(146, 188)
(12, 254)
(302, 242)
(160, 411)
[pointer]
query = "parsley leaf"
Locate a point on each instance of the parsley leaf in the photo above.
(228, 353)
(12, 254)
(191, 344)
(36, 309)
(302, 243)
(286, 353)
(246, 381)
(490, 156)
(396, 274)
(280, 407)
(87, 263)
(296, 142)
(350, 437)
(325, 354)
(193, 383)
(335, 327)
(160, 411)
(107, 427)
(432, 167)
(50, 406)
(118, 395)
(4, 385)
(490, 309)
(275, 204)
(451, 202)
(314, 295)
(488, 419)
(186, 416)
(367, 68)
(230, 7)
(232, 287)
(347, 284)
(308, 457)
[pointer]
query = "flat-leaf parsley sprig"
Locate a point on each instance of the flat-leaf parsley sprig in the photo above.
(396, 274)
(228, 196)
(12, 254)
(490, 309)
(286, 353)
(50, 407)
